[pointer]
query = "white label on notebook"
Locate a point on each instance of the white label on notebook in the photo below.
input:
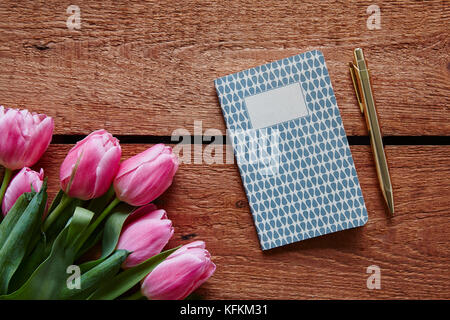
(276, 106)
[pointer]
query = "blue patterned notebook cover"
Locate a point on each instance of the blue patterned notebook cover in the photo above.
(314, 189)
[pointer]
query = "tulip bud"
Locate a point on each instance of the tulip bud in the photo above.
(25, 137)
(180, 274)
(90, 166)
(20, 184)
(145, 233)
(144, 177)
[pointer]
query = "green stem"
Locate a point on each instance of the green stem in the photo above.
(85, 235)
(6, 179)
(65, 201)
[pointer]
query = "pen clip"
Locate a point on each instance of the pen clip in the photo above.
(355, 85)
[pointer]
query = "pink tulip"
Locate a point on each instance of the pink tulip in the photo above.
(90, 166)
(20, 184)
(180, 274)
(25, 137)
(144, 177)
(145, 233)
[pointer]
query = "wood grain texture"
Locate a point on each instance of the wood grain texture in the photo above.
(207, 202)
(156, 61)
(147, 68)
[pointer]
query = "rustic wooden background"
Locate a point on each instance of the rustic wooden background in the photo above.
(143, 69)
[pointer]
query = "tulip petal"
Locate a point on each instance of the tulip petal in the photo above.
(140, 225)
(174, 278)
(180, 274)
(107, 168)
(25, 137)
(147, 182)
(20, 184)
(150, 212)
(90, 166)
(145, 236)
(144, 177)
(146, 156)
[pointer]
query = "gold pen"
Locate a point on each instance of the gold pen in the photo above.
(361, 83)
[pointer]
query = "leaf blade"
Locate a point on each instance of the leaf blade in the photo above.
(41, 248)
(48, 280)
(111, 234)
(100, 273)
(13, 215)
(15, 245)
(130, 277)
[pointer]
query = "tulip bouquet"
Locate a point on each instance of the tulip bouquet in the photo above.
(45, 247)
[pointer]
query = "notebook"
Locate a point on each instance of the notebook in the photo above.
(292, 151)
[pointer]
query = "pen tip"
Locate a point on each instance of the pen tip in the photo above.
(390, 201)
(391, 209)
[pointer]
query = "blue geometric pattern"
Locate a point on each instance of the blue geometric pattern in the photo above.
(315, 190)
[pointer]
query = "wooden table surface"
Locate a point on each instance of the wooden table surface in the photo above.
(143, 69)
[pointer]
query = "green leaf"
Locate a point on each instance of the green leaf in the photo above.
(49, 279)
(91, 279)
(113, 227)
(56, 200)
(124, 281)
(60, 223)
(29, 264)
(42, 247)
(111, 234)
(90, 243)
(13, 215)
(97, 205)
(78, 223)
(15, 245)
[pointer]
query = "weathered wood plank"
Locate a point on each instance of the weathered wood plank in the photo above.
(156, 61)
(207, 202)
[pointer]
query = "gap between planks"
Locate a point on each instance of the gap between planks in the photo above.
(353, 140)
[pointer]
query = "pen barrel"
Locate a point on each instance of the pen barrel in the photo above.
(376, 141)
(380, 158)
